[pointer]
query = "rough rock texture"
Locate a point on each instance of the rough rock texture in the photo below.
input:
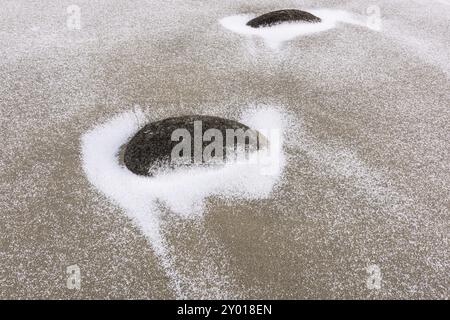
(152, 146)
(280, 16)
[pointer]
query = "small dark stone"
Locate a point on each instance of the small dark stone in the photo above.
(151, 148)
(280, 16)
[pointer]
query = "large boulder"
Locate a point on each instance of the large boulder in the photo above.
(189, 140)
(280, 16)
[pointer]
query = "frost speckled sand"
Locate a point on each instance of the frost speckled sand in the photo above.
(365, 182)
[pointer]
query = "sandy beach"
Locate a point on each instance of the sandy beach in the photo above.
(365, 179)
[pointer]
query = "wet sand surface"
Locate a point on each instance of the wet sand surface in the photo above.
(366, 181)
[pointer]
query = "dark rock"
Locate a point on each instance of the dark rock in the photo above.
(152, 147)
(280, 16)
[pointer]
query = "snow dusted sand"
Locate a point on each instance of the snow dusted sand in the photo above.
(365, 176)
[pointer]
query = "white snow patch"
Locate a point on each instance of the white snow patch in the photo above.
(182, 191)
(274, 36)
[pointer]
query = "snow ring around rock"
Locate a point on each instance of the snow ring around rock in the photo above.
(274, 36)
